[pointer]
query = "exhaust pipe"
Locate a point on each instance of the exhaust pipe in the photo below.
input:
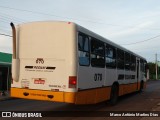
(14, 40)
(15, 61)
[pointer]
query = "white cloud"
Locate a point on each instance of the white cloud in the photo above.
(133, 30)
(5, 44)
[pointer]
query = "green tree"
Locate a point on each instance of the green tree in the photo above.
(152, 70)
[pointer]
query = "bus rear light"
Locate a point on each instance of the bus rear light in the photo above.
(72, 81)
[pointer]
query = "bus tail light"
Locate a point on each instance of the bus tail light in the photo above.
(72, 81)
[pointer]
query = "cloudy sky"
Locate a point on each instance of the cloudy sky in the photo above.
(133, 24)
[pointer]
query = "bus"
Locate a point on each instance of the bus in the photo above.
(65, 62)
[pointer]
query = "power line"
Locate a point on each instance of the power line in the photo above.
(36, 12)
(5, 32)
(142, 40)
(5, 35)
(41, 13)
(9, 17)
(148, 48)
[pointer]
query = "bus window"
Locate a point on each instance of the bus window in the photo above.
(142, 65)
(97, 53)
(83, 46)
(146, 68)
(127, 61)
(133, 63)
(120, 59)
(110, 56)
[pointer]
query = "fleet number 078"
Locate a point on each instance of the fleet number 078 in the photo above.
(97, 77)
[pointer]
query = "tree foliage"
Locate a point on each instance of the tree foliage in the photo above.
(152, 67)
(152, 70)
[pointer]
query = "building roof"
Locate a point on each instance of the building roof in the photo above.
(5, 58)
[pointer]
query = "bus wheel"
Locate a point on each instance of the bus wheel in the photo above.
(114, 94)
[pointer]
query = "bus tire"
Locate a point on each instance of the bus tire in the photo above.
(114, 94)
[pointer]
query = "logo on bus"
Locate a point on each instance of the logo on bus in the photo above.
(39, 81)
(39, 61)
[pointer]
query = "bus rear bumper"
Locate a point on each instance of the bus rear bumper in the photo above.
(68, 97)
(92, 96)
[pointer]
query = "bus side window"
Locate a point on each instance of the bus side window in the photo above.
(97, 53)
(83, 47)
(142, 65)
(127, 61)
(133, 63)
(110, 56)
(120, 59)
(146, 68)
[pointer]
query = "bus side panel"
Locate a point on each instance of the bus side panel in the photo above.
(88, 77)
(93, 96)
(111, 76)
(127, 88)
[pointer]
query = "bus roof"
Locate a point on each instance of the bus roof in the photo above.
(92, 34)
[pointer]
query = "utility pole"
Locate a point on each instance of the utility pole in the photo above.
(156, 65)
